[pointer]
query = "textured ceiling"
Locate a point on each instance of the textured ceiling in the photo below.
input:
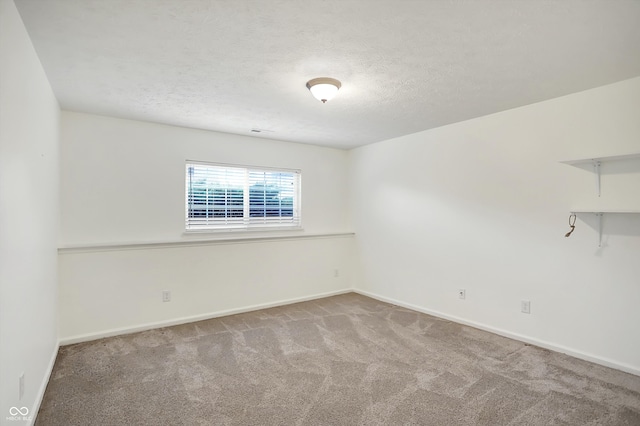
(405, 66)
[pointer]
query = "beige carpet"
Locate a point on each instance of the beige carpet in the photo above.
(343, 360)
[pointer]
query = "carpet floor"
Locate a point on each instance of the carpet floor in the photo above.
(342, 360)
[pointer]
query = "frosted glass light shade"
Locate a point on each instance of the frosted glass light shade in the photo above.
(323, 88)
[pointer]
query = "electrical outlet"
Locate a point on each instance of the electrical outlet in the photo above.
(525, 307)
(462, 293)
(166, 296)
(21, 386)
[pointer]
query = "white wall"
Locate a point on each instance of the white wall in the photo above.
(105, 293)
(29, 117)
(482, 205)
(122, 182)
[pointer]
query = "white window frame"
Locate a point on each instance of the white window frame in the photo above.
(246, 222)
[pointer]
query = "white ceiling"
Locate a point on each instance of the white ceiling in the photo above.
(405, 66)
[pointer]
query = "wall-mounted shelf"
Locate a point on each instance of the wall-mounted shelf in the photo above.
(577, 211)
(602, 159)
(599, 214)
(596, 162)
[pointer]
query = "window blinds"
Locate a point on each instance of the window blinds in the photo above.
(230, 197)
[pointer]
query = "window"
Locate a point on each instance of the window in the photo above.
(220, 196)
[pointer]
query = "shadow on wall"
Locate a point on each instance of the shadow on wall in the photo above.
(625, 224)
(613, 224)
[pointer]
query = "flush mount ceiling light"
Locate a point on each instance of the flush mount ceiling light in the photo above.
(323, 88)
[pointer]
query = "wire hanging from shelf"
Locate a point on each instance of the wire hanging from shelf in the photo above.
(572, 224)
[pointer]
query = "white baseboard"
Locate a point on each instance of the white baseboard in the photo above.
(43, 385)
(177, 321)
(541, 343)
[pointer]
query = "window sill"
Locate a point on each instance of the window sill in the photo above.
(266, 230)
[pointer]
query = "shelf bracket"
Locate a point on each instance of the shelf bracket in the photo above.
(596, 171)
(599, 216)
